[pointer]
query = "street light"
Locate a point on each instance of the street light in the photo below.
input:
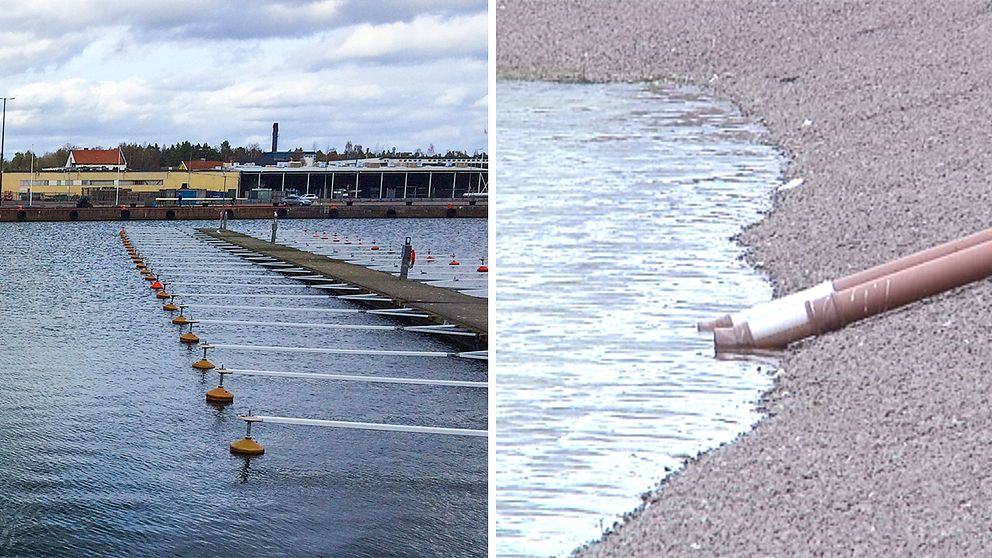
(3, 130)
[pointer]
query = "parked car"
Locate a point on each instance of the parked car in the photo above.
(293, 199)
(311, 197)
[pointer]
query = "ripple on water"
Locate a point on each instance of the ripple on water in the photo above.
(616, 208)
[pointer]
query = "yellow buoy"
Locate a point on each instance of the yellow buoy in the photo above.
(220, 395)
(180, 320)
(170, 307)
(162, 294)
(247, 446)
(188, 337)
(140, 265)
(204, 364)
(150, 277)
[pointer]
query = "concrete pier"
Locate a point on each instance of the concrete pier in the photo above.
(442, 304)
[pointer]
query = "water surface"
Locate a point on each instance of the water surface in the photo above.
(109, 448)
(615, 208)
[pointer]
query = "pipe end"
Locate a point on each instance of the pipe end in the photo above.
(724, 321)
(736, 338)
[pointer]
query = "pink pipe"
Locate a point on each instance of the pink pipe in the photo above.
(858, 278)
(834, 311)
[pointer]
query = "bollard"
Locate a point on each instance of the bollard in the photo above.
(406, 262)
(275, 225)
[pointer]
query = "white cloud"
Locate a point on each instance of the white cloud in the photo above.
(387, 73)
(425, 35)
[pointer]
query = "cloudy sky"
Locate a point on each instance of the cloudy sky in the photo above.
(384, 74)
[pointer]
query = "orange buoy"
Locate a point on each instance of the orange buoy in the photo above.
(156, 284)
(203, 364)
(189, 337)
(375, 247)
(247, 446)
(483, 269)
(454, 262)
(220, 395)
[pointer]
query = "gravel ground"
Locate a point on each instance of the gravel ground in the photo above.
(879, 437)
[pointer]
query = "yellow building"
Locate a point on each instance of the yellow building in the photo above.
(134, 186)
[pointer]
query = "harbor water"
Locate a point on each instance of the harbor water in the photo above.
(110, 449)
(616, 209)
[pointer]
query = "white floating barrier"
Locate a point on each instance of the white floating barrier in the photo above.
(185, 266)
(235, 295)
(374, 352)
(445, 329)
(283, 308)
(352, 378)
(304, 325)
(338, 287)
(371, 297)
(366, 425)
(400, 312)
(475, 355)
(220, 275)
(226, 285)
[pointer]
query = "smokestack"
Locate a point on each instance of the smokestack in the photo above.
(275, 136)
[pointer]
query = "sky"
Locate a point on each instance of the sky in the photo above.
(383, 73)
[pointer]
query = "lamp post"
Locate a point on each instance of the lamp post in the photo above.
(3, 131)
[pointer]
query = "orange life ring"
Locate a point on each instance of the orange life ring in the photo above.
(413, 256)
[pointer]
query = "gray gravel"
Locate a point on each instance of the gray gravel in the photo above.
(879, 437)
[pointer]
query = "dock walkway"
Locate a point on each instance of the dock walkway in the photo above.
(444, 304)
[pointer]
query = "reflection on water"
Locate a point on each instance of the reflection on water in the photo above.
(615, 210)
(109, 449)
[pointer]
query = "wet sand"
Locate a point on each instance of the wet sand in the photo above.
(879, 437)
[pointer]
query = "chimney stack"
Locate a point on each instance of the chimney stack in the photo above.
(275, 136)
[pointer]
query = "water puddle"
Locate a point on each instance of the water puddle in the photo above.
(616, 206)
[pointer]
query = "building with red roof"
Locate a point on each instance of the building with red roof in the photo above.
(96, 159)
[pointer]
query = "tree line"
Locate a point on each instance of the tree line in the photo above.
(155, 157)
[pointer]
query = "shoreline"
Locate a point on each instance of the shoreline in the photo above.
(875, 437)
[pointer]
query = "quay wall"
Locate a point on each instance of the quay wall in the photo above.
(355, 210)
